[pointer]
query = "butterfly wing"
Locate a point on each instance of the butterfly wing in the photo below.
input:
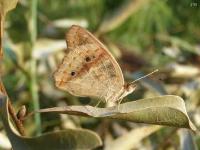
(88, 68)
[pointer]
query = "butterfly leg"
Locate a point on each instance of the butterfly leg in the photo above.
(98, 103)
(119, 102)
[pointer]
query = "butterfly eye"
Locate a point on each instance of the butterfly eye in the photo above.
(87, 59)
(73, 73)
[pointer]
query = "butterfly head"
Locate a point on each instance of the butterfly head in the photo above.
(129, 88)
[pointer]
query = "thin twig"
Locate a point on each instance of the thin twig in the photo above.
(17, 122)
(11, 110)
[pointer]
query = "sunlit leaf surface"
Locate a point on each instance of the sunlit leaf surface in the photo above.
(164, 110)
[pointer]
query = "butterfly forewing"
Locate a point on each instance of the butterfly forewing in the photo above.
(88, 68)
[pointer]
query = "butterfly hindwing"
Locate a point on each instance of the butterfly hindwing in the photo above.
(88, 69)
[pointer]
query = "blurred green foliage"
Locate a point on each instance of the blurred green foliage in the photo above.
(156, 25)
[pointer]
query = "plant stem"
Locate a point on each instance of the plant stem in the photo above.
(33, 76)
(35, 97)
(17, 122)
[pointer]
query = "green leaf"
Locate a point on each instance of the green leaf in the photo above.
(163, 110)
(66, 139)
(7, 5)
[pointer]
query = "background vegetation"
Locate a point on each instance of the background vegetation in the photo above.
(142, 35)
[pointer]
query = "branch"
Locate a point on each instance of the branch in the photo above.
(17, 122)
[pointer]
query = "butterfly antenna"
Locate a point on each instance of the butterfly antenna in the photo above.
(144, 76)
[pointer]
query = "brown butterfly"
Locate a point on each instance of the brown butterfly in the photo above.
(89, 70)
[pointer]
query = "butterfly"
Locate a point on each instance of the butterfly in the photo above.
(88, 69)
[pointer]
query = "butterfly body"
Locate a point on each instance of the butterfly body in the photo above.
(89, 70)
